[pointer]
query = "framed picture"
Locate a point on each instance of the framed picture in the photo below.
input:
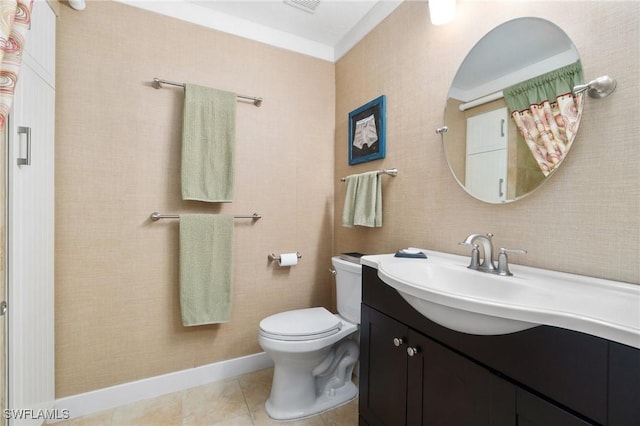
(367, 132)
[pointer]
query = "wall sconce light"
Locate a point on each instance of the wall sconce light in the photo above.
(78, 4)
(442, 11)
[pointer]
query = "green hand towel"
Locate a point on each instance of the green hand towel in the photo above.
(206, 268)
(208, 144)
(363, 201)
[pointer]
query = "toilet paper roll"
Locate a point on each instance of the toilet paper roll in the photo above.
(288, 259)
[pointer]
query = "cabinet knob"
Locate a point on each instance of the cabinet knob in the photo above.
(413, 350)
(397, 341)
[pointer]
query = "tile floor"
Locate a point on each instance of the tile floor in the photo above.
(237, 401)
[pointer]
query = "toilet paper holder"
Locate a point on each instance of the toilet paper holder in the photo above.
(275, 257)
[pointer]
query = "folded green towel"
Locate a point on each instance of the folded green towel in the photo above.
(206, 268)
(363, 201)
(208, 144)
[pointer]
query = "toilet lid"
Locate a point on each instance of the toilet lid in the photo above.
(300, 324)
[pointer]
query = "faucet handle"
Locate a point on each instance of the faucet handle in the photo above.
(509, 250)
(503, 261)
(475, 254)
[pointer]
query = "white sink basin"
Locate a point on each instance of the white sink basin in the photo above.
(442, 289)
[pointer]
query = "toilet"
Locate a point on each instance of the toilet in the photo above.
(314, 351)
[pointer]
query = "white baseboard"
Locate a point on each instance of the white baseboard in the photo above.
(103, 399)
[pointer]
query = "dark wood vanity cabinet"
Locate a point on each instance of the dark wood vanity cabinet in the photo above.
(416, 372)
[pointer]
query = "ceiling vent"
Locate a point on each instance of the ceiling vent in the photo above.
(306, 5)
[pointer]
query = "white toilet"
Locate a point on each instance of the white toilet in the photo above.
(314, 351)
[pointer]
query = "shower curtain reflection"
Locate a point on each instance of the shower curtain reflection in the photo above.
(547, 113)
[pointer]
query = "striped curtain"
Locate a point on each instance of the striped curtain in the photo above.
(547, 113)
(15, 16)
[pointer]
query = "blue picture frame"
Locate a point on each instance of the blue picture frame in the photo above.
(367, 132)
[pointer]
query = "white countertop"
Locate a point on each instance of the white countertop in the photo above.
(603, 308)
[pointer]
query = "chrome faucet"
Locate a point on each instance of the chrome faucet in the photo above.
(487, 264)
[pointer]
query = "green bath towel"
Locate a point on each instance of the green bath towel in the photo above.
(208, 144)
(363, 201)
(206, 268)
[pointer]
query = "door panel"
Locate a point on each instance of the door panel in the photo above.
(486, 160)
(30, 267)
(386, 382)
(459, 392)
(534, 411)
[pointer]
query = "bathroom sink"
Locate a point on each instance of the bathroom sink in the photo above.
(442, 289)
(446, 294)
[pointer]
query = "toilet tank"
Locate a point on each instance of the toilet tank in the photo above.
(348, 288)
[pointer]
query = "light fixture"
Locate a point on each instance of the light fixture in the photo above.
(78, 4)
(442, 11)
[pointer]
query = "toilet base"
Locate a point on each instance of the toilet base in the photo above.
(323, 403)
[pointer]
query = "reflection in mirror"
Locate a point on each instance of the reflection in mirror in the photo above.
(510, 112)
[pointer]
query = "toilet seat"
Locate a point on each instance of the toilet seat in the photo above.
(300, 324)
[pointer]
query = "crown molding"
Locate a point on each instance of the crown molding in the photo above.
(199, 15)
(375, 16)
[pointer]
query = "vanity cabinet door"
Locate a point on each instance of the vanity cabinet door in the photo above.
(383, 366)
(534, 411)
(416, 381)
(624, 385)
(446, 388)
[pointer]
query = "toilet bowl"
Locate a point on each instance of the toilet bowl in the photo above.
(314, 351)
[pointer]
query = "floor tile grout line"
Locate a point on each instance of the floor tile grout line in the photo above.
(183, 396)
(246, 403)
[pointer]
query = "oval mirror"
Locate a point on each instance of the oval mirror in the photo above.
(494, 144)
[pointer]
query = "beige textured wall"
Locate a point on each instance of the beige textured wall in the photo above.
(118, 160)
(117, 312)
(584, 220)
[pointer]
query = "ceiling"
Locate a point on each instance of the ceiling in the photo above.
(517, 50)
(328, 33)
(328, 24)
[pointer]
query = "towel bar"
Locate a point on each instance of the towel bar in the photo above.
(155, 216)
(390, 172)
(158, 82)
